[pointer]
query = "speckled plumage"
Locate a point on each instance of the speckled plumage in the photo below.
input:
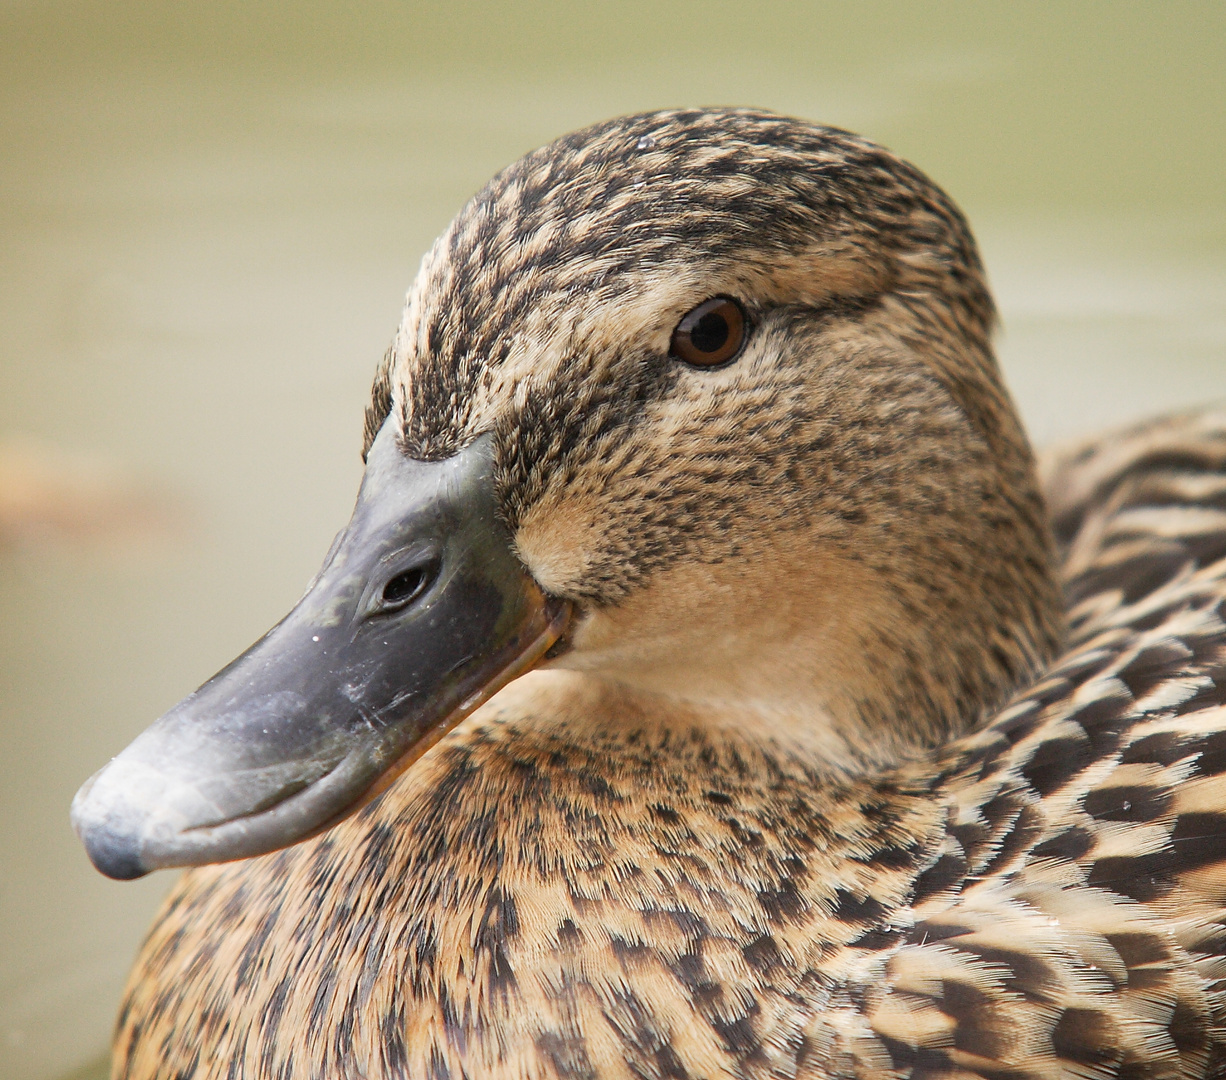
(944, 848)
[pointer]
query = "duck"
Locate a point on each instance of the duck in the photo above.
(710, 682)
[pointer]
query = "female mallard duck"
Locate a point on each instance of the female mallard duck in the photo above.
(817, 773)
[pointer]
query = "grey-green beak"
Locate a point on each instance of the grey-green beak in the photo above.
(421, 612)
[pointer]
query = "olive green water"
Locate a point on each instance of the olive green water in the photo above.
(209, 215)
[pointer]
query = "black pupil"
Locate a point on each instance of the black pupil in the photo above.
(710, 333)
(405, 586)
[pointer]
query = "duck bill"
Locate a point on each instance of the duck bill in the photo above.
(421, 612)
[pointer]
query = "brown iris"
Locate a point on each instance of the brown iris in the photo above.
(711, 334)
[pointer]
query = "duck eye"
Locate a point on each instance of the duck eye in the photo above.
(711, 334)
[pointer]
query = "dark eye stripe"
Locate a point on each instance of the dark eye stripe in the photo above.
(710, 334)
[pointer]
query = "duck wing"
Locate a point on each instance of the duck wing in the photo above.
(1074, 921)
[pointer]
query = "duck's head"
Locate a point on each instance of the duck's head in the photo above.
(701, 403)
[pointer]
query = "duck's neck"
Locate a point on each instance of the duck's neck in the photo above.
(826, 657)
(780, 721)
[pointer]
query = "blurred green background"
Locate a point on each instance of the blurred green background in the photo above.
(209, 214)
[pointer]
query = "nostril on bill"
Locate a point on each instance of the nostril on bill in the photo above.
(407, 586)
